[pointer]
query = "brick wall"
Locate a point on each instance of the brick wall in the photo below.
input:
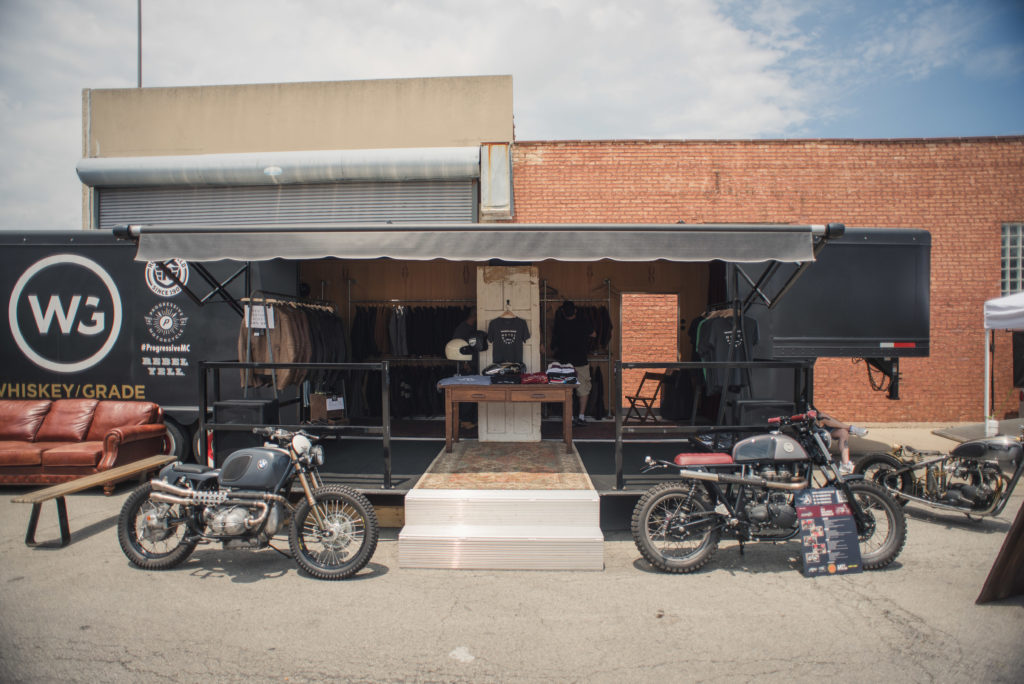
(961, 190)
(648, 335)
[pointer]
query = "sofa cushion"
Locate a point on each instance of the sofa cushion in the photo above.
(74, 454)
(112, 414)
(67, 421)
(20, 419)
(14, 453)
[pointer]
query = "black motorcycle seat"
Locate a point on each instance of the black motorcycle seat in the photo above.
(699, 459)
(192, 468)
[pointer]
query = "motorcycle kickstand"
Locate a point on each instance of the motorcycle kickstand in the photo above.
(741, 547)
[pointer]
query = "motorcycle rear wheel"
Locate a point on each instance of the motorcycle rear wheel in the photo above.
(883, 539)
(881, 470)
(336, 538)
(670, 504)
(146, 538)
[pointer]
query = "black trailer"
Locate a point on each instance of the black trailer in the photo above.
(86, 320)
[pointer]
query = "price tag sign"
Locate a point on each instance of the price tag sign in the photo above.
(259, 317)
(828, 533)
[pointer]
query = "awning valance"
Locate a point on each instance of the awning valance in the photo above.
(283, 168)
(739, 243)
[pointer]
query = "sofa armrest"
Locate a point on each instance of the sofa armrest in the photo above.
(132, 443)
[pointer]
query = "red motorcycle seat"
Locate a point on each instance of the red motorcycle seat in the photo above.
(703, 459)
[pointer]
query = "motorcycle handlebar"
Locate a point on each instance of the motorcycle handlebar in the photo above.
(281, 433)
(798, 418)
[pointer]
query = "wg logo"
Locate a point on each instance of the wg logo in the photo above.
(158, 281)
(65, 313)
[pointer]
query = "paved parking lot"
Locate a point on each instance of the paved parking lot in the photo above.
(82, 613)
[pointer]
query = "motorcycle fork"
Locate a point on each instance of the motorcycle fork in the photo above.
(308, 492)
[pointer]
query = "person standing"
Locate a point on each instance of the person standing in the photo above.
(570, 342)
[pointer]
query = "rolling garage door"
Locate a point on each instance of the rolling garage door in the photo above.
(429, 201)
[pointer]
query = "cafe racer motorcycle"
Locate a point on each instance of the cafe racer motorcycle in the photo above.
(749, 494)
(976, 478)
(332, 530)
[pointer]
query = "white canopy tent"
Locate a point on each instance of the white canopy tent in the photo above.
(1004, 313)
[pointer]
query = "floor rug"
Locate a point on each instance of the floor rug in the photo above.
(506, 465)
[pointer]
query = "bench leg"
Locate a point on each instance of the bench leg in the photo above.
(62, 519)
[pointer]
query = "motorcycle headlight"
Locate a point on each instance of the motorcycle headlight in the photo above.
(301, 444)
(316, 454)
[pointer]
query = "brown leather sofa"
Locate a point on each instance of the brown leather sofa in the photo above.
(46, 442)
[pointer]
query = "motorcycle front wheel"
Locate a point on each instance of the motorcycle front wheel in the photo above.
(335, 538)
(885, 530)
(882, 470)
(674, 527)
(152, 534)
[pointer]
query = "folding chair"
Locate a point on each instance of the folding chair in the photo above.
(642, 405)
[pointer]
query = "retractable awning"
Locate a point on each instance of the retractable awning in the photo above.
(738, 243)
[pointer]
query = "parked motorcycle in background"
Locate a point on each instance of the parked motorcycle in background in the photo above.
(971, 479)
(750, 495)
(332, 531)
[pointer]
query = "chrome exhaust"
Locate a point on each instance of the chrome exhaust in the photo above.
(741, 480)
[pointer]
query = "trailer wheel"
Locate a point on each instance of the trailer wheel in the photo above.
(180, 439)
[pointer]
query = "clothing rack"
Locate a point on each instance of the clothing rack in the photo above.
(276, 299)
(546, 290)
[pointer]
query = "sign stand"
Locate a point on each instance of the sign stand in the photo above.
(828, 533)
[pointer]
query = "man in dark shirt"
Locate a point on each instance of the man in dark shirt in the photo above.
(570, 342)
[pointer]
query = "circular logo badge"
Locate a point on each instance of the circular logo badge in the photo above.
(65, 313)
(166, 321)
(262, 464)
(160, 283)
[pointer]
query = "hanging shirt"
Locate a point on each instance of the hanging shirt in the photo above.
(507, 336)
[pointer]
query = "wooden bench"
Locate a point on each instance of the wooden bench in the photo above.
(59, 491)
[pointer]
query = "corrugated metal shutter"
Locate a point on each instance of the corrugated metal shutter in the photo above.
(352, 202)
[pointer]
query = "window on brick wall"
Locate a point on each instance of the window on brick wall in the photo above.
(1012, 272)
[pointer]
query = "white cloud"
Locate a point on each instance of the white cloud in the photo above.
(582, 69)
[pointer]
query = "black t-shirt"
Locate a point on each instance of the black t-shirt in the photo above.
(571, 338)
(507, 336)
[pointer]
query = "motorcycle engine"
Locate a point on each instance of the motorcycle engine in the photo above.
(774, 511)
(230, 521)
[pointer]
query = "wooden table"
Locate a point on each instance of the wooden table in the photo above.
(539, 393)
(59, 491)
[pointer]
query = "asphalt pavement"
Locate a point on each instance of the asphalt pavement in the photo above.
(83, 613)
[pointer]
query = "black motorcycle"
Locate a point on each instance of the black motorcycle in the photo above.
(750, 495)
(333, 528)
(970, 479)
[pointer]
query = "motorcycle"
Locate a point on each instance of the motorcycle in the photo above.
(750, 494)
(970, 479)
(332, 531)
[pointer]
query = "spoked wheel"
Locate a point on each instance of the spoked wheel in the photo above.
(881, 469)
(884, 529)
(675, 528)
(151, 533)
(335, 538)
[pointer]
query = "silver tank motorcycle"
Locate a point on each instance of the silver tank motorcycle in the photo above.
(976, 478)
(332, 530)
(749, 494)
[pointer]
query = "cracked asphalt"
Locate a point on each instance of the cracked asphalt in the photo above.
(83, 614)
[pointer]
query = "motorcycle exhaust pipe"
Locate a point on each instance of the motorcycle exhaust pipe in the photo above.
(741, 480)
(190, 497)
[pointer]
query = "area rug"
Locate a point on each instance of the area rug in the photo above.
(506, 465)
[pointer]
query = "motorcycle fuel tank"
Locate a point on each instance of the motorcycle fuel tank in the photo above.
(1003, 449)
(254, 468)
(771, 447)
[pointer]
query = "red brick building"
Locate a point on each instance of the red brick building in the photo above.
(962, 190)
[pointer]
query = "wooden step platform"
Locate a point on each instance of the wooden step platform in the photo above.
(494, 506)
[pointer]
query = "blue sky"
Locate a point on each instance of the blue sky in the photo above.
(582, 69)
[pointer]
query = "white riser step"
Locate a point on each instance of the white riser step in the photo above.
(573, 508)
(505, 547)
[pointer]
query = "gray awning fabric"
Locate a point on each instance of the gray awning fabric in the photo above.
(282, 168)
(739, 243)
